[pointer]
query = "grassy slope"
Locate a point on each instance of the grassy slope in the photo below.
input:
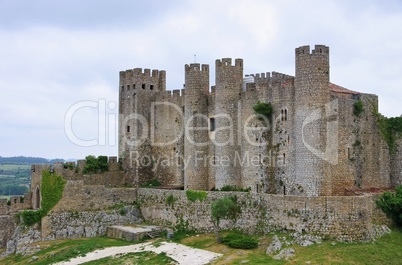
(386, 250)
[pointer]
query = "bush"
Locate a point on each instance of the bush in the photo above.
(239, 240)
(391, 205)
(193, 195)
(264, 109)
(233, 188)
(30, 218)
(151, 183)
(170, 199)
(95, 165)
(358, 108)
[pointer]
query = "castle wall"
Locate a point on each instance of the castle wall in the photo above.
(87, 224)
(371, 156)
(283, 102)
(80, 197)
(396, 164)
(343, 218)
(254, 159)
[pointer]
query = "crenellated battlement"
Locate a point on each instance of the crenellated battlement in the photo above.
(305, 50)
(139, 72)
(15, 204)
(144, 79)
(226, 62)
(196, 67)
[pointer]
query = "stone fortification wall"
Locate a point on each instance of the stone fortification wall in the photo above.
(15, 204)
(343, 218)
(396, 165)
(87, 224)
(80, 197)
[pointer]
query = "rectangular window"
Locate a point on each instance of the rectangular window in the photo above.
(143, 86)
(211, 124)
(151, 87)
(128, 129)
(128, 87)
(122, 88)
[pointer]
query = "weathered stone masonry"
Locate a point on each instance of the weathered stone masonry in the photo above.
(313, 146)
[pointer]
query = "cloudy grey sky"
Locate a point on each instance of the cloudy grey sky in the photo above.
(55, 54)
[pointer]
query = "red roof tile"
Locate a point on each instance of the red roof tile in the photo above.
(339, 89)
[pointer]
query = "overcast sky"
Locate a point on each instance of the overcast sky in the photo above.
(56, 54)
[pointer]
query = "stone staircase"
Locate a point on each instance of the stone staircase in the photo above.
(134, 233)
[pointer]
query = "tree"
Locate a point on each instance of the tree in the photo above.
(224, 208)
(391, 205)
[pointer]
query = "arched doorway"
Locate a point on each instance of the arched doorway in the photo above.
(37, 198)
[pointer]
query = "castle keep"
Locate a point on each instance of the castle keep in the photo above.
(203, 137)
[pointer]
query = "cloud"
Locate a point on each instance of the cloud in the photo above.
(57, 53)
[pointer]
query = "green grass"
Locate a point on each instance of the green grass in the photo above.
(386, 250)
(14, 167)
(57, 251)
(145, 257)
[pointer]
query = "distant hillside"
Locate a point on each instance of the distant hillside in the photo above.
(28, 160)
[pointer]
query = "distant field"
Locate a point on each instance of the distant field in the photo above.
(14, 179)
(14, 167)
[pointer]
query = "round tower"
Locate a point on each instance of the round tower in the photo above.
(196, 126)
(229, 80)
(312, 98)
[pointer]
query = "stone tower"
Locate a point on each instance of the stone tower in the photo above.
(196, 124)
(229, 79)
(137, 90)
(312, 97)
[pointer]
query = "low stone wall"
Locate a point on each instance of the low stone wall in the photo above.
(79, 197)
(345, 218)
(87, 224)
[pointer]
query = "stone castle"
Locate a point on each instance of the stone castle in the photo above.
(204, 137)
(310, 165)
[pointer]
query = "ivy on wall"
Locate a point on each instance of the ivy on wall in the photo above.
(390, 128)
(52, 187)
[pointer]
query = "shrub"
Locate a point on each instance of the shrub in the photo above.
(234, 188)
(358, 108)
(194, 195)
(391, 205)
(95, 165)
(123, 211)
(263, 109)
(151, 183)
(170, 199)
(241, 241)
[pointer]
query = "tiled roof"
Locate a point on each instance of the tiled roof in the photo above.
(339, 89)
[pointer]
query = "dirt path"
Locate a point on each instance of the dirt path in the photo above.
(181, 253)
